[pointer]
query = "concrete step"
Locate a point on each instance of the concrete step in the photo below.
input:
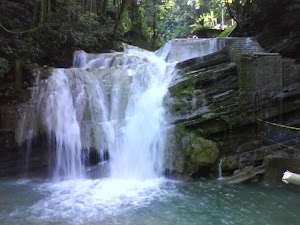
(241, 49)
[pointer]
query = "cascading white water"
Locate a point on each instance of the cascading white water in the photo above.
(220, 177)
(183, 49)
(62, 127)
(141, 148)
(112, 104)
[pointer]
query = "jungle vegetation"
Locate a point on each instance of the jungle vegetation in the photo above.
(34, 33)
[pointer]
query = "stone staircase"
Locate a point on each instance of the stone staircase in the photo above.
(238, 46)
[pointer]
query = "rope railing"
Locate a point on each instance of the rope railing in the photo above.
(248, 158)
(278, 125)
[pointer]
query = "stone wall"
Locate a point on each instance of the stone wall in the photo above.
(218, 97)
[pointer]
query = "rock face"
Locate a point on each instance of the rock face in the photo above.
(217, 99)
(192, 153)
(8, 151)
(198, 153)
(244, 175)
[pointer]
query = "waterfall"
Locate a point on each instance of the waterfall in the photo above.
(62, 127)
(183, 49)
(110, 105)
(248, 43)
(220, 177)
(141, 149)
(105, 116)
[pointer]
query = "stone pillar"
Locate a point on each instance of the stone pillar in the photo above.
(291, 72)
(260, 73)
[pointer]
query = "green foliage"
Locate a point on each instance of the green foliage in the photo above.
(89, 19)
(180, 18)
(8, 91)
(196, 27)
(46, 32)
(226, 32)
(66, 27)
(173, 19)
(4, 66)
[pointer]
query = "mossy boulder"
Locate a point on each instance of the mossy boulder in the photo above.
(230, 163)
(197, 152)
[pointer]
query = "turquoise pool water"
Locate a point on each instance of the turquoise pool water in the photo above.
(148, 202)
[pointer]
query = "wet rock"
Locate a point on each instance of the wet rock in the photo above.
(43, 72)
(244, 175)
(218, 97)
(229, 163)
(195, 151)
(199, 152)
(255, 70)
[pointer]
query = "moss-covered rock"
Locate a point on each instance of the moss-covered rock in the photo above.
(229, 163)
(196, 151)
(199, 153)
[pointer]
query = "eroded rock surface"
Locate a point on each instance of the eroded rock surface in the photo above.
(218, 97)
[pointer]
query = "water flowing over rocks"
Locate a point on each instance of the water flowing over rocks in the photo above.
(204, 112)
(184, 49)
(105, 117)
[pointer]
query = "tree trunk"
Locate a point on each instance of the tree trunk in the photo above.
(121, 12)
(154, 24)
(103, 6)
